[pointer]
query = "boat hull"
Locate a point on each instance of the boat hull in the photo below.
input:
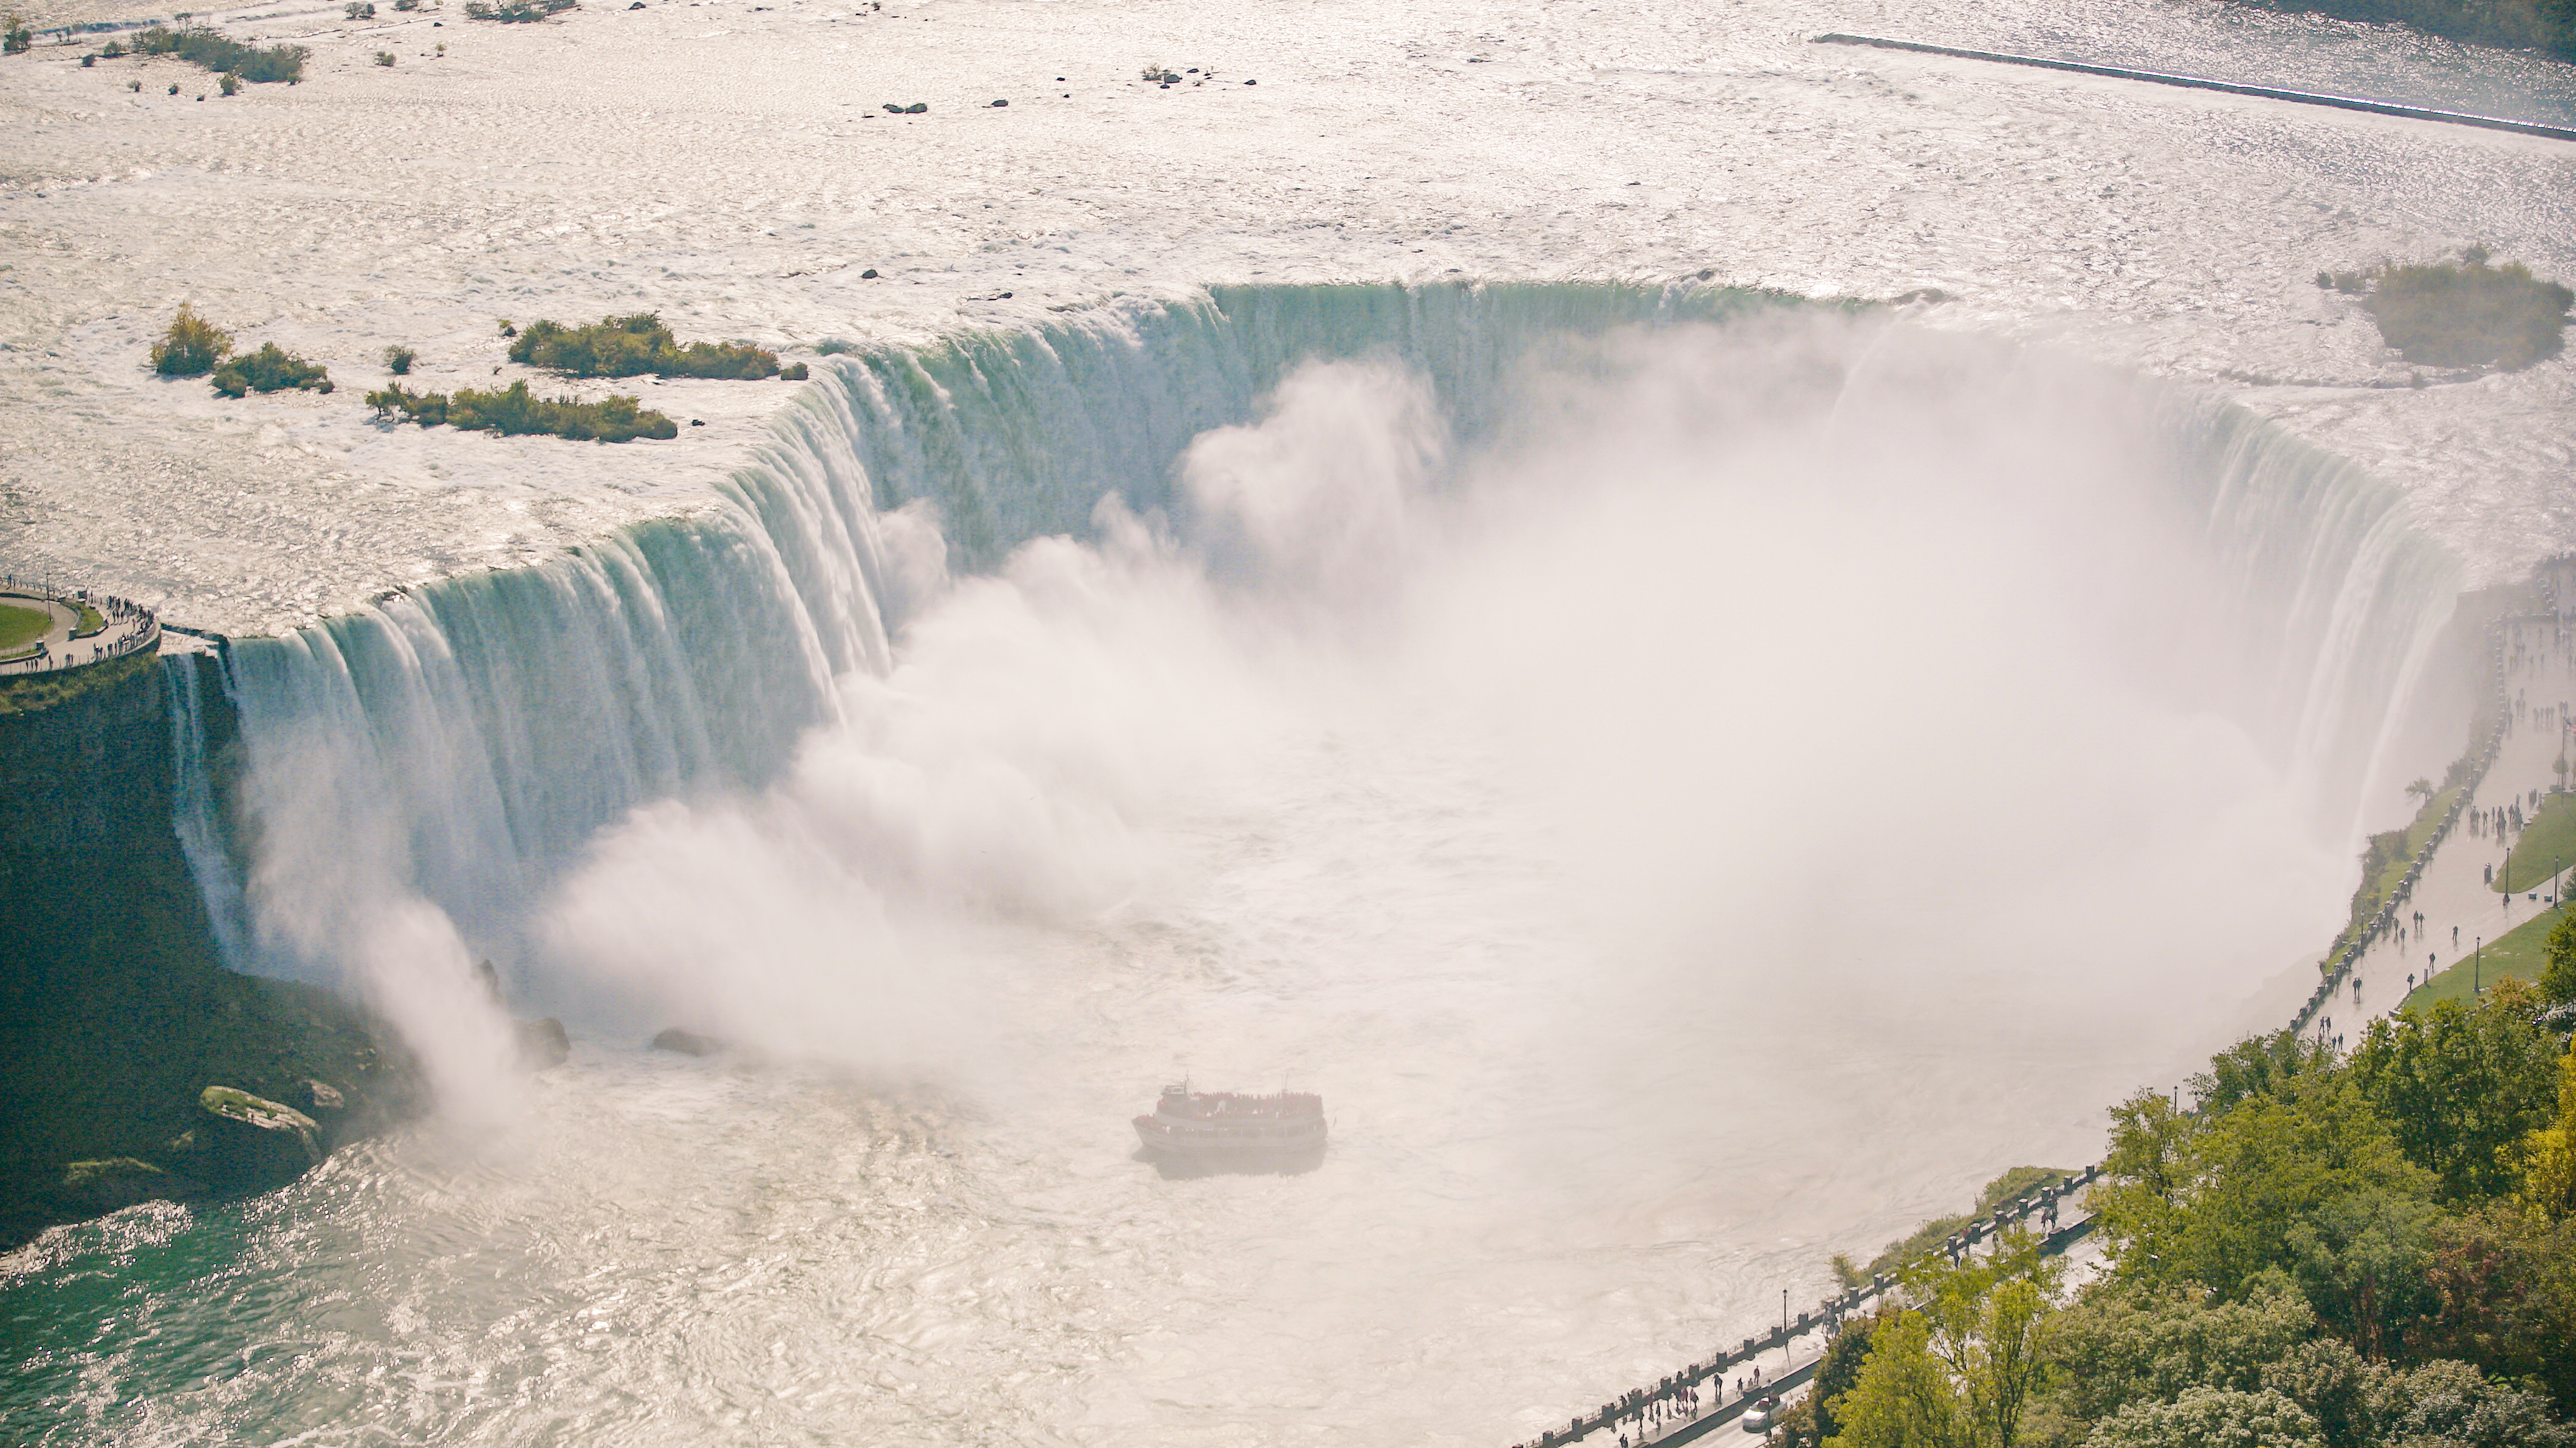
(1227, 1146)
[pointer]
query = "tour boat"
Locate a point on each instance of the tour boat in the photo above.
(1218, 1127)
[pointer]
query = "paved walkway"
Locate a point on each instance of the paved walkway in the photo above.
(125, 628)
(2453, 895)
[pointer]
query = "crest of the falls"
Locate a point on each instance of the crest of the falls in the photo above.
(462, 742)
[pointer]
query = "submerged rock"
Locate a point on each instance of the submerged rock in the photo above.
(253, 1143)
(687, 1043)
(543, 1043)
(118, 1182)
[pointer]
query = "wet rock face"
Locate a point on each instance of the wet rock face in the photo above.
(251, 1143)
(543, 1043)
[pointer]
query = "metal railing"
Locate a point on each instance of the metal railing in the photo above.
(134, 629)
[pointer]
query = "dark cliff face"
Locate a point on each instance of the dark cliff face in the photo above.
(107, 964)
(115, 1008)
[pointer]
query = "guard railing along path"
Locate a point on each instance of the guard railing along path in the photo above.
(1657, 1413)
(124, 627)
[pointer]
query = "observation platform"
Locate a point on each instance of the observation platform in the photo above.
(80, 629)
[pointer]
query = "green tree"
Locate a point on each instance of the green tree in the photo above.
(1902, 1398)
(1811, 1420)
(1959, 1367)
(2547, 1158)
(2362, 1260)
(2504, 1288)
(2255, 1066)
(2462, 1087)
(2118, 1348)
(2453, 1405)
(2211, 1418)
(192, 347)
(2558, 954)
(2217, 1207)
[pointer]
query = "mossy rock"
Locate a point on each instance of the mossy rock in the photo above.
(252, 1143)
(118, 1182)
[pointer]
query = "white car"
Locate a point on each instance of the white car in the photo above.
(1757, 1419)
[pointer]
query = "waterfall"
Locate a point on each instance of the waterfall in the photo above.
(2343, 599)
(193, 803)
(459, 742)
(462, 739)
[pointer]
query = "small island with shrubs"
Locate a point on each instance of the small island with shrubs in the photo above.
(211, 48)
(2462, 314)
(194, 347)
(518, 12)
(637, 345)
(516, 411)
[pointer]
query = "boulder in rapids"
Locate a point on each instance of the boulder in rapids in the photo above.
(687, 1043)
(253, 1143)
(543, 1043)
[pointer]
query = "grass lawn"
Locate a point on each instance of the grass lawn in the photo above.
(20, 627)
(2516, 955)
(91, 620)
(2550, 835)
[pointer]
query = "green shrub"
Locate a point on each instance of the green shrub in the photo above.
(112, 50)
(359, 10)
(398, 360)
(517, 411)
(229, 85)
(508, 330)
(2469, 314)
(207, 47)
(632, 346)
(517, 12)
(191, 347)
(793, 373)
(269, 370)
(384, 57)
(15, 37)
(406, 5)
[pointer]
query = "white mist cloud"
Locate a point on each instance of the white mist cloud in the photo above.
(1812, 697)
